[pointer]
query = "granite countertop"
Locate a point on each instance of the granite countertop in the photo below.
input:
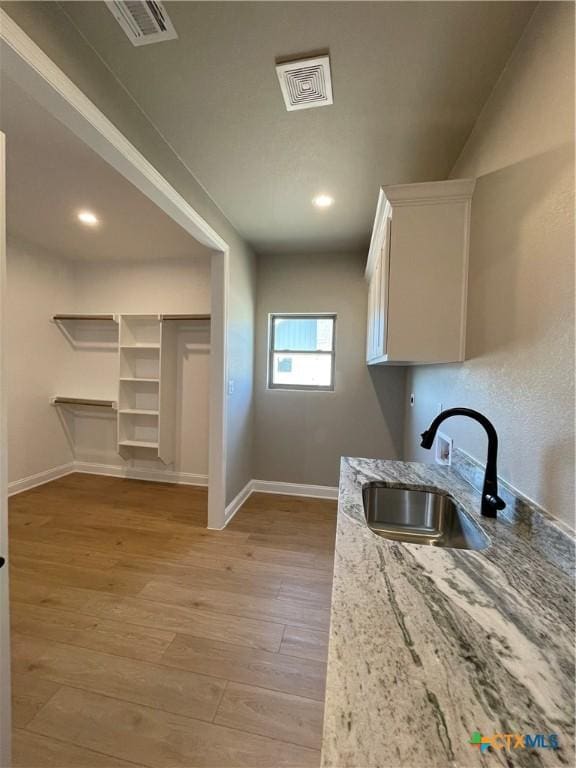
(429, 644)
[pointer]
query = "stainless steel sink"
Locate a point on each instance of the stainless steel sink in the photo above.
(420, 517)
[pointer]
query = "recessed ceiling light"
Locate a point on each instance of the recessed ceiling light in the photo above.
(89, 218)
(323, 201)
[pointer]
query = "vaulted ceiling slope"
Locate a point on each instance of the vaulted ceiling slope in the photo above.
(410, 79)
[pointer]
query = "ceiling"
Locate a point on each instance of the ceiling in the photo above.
(410, 79)
(51, 175)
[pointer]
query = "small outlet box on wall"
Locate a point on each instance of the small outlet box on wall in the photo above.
(443, 449)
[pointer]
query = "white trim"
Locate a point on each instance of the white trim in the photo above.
(5, 698)
(28, 65)
(40, 478)
(295, 489)
(108, 470)
(284, 489)
(139, 473)
(238, 501)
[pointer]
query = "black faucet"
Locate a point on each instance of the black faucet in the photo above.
(491, 502)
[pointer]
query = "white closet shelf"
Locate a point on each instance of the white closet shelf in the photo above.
(138, 444)
(140, 346)
(112, 318)
(88, 401)
(138, 412)
(131, 378)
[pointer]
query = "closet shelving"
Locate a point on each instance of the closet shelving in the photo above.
(86, 401)
(139, 389)
(62, 318)
(146, 404)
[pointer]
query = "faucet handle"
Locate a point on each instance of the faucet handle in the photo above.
(427, 438)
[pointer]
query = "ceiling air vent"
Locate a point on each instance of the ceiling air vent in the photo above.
(143, 21)
(305, 83)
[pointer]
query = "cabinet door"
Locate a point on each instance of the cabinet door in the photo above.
(381, 295)
(373, 310)
(370, 321)
(378, 302)
(377, 317)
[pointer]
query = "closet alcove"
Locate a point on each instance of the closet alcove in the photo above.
(131, 391)
(146, 404)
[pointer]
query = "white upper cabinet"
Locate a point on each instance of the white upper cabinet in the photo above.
(417, 273)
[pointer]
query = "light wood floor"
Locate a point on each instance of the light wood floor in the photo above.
(140, 638)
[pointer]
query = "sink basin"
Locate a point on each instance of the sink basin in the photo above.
(420, 517)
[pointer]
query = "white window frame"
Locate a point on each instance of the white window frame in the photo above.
(271, 351)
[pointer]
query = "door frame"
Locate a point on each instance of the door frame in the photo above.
(5, 705)
(39, 76)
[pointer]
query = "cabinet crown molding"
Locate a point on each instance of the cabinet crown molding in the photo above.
(429, 192)
(423, 193)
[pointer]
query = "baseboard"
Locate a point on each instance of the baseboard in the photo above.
(237, 502)
(139, 473)
(109, 470)
(295, 489)
(26, 483)
(285, 489)
(183, 478)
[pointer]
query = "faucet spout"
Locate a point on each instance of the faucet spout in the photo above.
(491, 502)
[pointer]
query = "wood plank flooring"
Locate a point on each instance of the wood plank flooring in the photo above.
(140, 638)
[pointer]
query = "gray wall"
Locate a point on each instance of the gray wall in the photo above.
(52, 30)
(520, 370)
(300, 436)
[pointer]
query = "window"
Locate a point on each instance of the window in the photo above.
(301, 354)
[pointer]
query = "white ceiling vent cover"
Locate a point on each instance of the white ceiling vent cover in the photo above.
(143, 21)
(306, 83)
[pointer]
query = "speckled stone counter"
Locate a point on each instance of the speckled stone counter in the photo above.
(428, 645)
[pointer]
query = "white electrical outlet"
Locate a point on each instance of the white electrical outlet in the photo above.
(231, 386)
(443, 453)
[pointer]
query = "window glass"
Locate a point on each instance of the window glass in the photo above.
(301, 355)
(303, 333)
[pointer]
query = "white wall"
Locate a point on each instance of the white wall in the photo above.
(520, 370)
(300, 435)
(39, 285)
(166, 285)
(42, 362)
